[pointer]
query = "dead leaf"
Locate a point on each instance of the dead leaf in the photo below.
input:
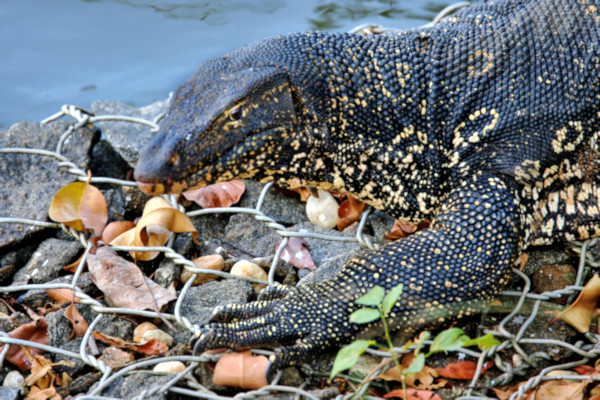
(413, 394)
(116, 358)
(425, 379)
(80, 206)
(62, 296)
(123, 284)
(241, 370)
(222, 194)
(35, 331)
(585, 370)
(159, 220)
(296, 253)
(349, 212)
(556, 389)
(115, 229)
(402, 229)
(79, 323)
(462, 369)
(35, 393)
(150, 348)
(579, 314)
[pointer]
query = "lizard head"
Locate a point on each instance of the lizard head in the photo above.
(225, 122)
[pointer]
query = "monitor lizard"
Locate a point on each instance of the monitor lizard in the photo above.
(486, 123)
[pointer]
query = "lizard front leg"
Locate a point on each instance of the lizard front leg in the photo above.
(450, 269)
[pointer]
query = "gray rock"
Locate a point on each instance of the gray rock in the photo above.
(134, 385)
(9, 393)
(246, 237)
(48, 260)
(59, 327)
(201, 300)
(167, 273)
(78, 364)
(127, 138)
(107, 162)
(211, 229)
(329, 256)
(283, 209)
(28, 182)
(38, 298)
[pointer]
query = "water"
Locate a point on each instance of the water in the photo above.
(55, 52)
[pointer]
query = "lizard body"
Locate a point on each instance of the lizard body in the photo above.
(487, 124)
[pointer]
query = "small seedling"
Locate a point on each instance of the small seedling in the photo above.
(449, 340)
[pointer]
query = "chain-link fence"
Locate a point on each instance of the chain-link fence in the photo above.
(184, 383)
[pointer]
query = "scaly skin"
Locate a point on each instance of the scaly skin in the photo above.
(487, 124)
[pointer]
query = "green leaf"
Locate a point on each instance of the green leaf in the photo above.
(348, 355)
(448, 340)
(483, 342)
(364, 315)
(390, 299)
(416, 365)
(372, 298)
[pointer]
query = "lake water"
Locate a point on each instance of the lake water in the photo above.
(55, 52)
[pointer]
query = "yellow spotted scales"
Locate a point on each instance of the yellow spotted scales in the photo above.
(487, 124)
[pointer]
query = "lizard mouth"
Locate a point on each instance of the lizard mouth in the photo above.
(155, 178)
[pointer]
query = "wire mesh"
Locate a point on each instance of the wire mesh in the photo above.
(184, 383)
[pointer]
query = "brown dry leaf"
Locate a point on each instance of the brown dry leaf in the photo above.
(552, 390)
(296, 254)
(79, 323)
(579, 314)
(349, 212)
(462, 369)
(62, 296)
(425, 379)
(241, 370)
(35, 393)
(222, 194)
(150, 348)
(158, 220)
(413, 394)
(123, 284)
(402, 229)
(80, 206)
(115, 229)
(35, 331)
(116, 358)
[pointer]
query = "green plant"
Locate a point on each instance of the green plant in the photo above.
(377, 305)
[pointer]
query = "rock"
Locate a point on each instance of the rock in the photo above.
(107, 162)
(211, 229)
(167, 273)
(213, 262)
(284, 209)
(28, 182)
(554, 277)
(9, 393)
(116, 358)
(127, 138)
(14, 379)
(159, 335)
(200, 301)
(171, 367)
(142, 328)
(329, 256)
(250, 237)
(48, 260)
(248, 269)
(78, 365)
(38, 298)
(137, 384)
(323, 210)
(60, 329)
(380, 224)
(9, 322)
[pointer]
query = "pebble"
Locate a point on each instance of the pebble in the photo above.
(250, 270)
(172, 367)
(213, 262)
(323, 210)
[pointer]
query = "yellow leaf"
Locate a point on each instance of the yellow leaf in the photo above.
(579, 314)
(80, 206)
(158, 220)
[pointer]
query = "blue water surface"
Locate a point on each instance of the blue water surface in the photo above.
(55, 52)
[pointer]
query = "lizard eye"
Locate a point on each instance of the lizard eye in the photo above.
(236, 113)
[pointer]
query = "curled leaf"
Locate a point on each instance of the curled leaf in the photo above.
(222, 194)
(35, 331)
(579, 314)
(62, 296)
(158, 220)
(80, 206)
(402, 229)
(116, 228)
(150, 348)
(79, 323)
(349, 212)
(242, 370)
